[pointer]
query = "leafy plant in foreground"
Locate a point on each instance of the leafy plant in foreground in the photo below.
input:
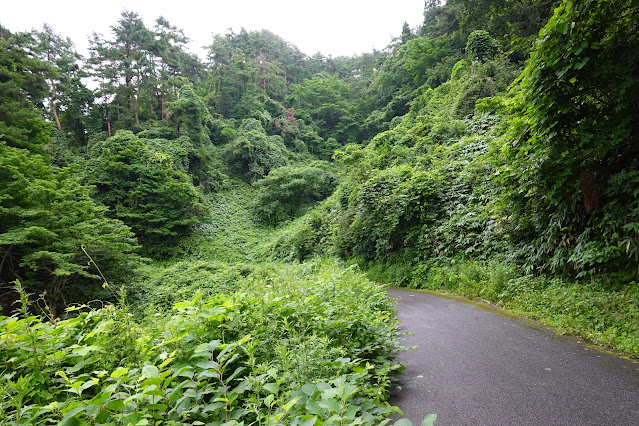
(225, 360)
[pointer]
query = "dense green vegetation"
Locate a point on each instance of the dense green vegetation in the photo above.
(196, 242)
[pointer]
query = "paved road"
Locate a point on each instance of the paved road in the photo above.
(475, 366)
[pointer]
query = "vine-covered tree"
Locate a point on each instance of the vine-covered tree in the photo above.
(253, 153)
(576, 149)
(286, 190)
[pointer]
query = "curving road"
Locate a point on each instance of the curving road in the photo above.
(475, 365)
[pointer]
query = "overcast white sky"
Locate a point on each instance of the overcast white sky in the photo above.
(332, 27)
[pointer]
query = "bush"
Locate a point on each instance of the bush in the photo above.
(254, 154)
(287, 189)
(144, 188)
(309, 342)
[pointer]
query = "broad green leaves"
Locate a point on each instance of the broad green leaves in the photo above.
(314, 355)
(576, 138)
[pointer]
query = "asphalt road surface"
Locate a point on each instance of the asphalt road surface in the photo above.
(477, 366)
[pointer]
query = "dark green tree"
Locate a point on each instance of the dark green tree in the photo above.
(324, 101)
(144, 189)
(22, 91)
(46, 216)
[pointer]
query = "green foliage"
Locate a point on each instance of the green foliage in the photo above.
(417, 191)
(192, 121)
(287, 189)
(382, 211)
(423, 59)
(462, 185)
(314, 342)
(139, 71)
(45, 217)
(576, 141)
(45, 214)
(482, 80)
(253, 153)
(248, 64)
(68, 97)
(323, 100)
(144, 189)
(22, 87)
(514, 23)
(166, 284)
(231, 233)
(190, 116)
(481, 46)
(301, 239)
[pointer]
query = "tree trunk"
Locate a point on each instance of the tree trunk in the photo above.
(137, 104)
(590, 193)
(55, 297)
(4, 258)
(53, 110)
(163, 112)
(106, 111)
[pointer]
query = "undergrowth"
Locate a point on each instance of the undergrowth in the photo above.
(307, 344)
(232, 233)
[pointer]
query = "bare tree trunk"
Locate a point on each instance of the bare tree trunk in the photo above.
(163, 112)
(106, 110)
(590, 193)
(137, 103)
(53, 110)
(55, 297)
(4, 258)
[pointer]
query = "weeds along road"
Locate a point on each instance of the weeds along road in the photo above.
(475, 365)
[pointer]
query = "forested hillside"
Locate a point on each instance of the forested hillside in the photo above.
(201, 242)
